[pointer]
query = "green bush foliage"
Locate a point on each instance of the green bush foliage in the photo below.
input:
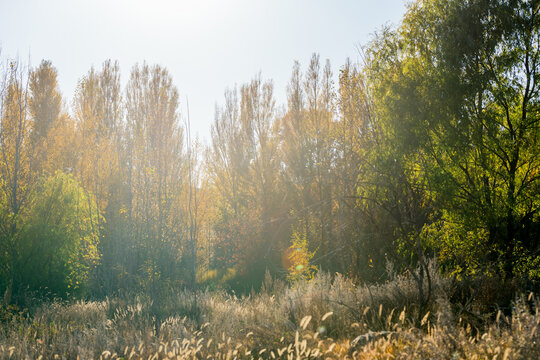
(57, 244)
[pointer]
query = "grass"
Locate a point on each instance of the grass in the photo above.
(328, 317)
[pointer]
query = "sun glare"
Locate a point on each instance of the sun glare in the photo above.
(177, 14)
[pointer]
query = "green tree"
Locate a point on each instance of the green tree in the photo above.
(457, 85)
(57, 241)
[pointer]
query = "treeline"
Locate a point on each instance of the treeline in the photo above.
(427, 149)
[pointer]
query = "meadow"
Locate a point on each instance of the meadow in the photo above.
(328, 317)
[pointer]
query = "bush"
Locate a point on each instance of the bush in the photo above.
(58, 237)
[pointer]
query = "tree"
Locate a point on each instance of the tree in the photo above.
(16, 160)
(244, 166)
(98, 117)
(259, 123)
(57, 245)
(194, 179)
(308, 156)
(360, 240)
(155, 173)
(53, 137)
(45, 101)
(458, 83)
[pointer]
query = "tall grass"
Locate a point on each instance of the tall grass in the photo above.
(328, 317)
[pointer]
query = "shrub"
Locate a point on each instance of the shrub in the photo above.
(57, 243)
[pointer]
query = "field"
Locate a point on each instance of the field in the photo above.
(327, 317)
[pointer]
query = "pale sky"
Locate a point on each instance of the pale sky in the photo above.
(207, 45)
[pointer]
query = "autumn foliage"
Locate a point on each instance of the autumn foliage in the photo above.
(427, 149)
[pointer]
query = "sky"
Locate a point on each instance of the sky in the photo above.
(207, 45)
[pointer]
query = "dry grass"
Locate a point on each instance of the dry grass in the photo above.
(316, 319)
